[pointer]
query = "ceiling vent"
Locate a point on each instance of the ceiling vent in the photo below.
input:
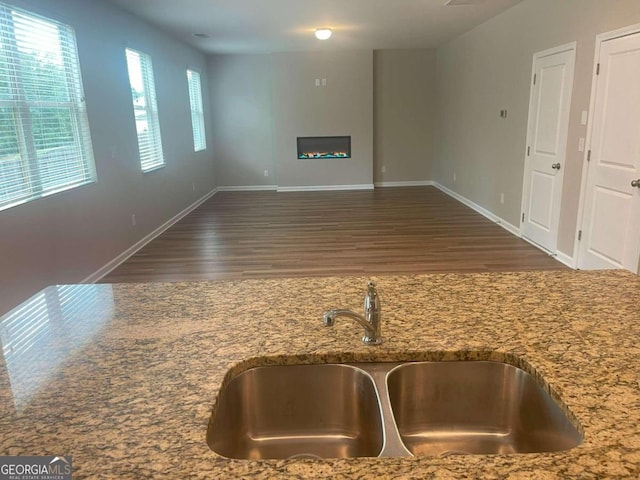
(457, 3)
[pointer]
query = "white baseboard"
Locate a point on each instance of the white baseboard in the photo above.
(129, 252)
(419, 183)
(322, 188)
(248, 188)
(561, 257)
(482, 211)
(566, 259)
(538, 246)
(558, 255)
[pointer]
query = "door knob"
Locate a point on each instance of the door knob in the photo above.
(635, 183)
(556, 166)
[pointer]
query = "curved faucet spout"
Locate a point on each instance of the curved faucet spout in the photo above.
(370, 321)
(330, 319)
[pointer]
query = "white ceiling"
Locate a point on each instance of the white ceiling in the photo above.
(263, 26)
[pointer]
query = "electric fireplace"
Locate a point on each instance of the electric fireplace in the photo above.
(324, 147)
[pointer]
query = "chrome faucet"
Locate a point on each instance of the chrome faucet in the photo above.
(370, 321)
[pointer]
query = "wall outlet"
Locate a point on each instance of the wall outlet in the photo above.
(317, 82)
(266, 173)
(384, 169)
(324, 82)
(502, 198)
(581, 145)
(455, 177)
(133, 220)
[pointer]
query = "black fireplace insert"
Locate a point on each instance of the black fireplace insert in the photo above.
(324, 147)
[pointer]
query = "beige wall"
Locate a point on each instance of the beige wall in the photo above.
(242, 119)
(489, 69)
(261, 102)
(343, 107)
(404, 85)
(66, 237)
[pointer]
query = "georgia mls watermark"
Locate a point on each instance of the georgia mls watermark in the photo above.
(35, 468)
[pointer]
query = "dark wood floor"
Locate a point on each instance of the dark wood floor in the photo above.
(384, 231)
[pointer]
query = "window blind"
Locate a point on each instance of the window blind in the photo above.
(145, 109)
(45, 143)
(197, 112)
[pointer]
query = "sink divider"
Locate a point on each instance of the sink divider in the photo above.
(392, 445)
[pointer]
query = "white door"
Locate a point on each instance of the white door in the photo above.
(611, 219)
(549, 110)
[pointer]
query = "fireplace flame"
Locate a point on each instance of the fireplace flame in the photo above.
(323, 155)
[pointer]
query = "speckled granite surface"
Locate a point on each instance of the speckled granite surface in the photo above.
(124, 377)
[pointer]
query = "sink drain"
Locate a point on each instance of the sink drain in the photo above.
(448, 453)
(301, 456)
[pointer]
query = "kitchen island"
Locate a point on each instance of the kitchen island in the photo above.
(124, 377)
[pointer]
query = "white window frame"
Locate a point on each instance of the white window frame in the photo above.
(39, 173)
(149, 139)
(197, 110)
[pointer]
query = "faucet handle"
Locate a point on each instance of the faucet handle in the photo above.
(371, 299)
(372, 315)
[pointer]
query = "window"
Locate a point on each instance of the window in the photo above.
(45, 144)
(197, 112)
(145, 109)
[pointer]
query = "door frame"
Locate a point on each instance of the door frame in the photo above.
(526, 187)
(600, 39)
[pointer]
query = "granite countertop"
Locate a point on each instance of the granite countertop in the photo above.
(124, 377)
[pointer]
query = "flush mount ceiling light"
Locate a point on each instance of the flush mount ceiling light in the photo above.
(323, 33)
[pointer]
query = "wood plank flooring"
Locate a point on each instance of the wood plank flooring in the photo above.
(384, 231)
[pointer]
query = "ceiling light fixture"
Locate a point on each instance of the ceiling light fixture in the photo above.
(323, 33)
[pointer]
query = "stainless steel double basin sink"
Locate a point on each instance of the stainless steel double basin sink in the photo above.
(386, 410)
